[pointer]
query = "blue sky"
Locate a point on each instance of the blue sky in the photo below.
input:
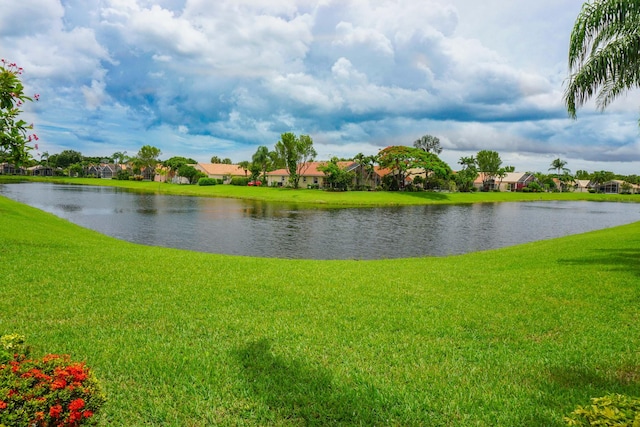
(200, 77)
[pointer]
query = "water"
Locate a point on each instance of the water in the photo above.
(238, 227)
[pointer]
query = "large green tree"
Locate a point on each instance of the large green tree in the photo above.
(175, 163)
(336, 177)
(401, 160)
(66, 158)
(189, 172)
(604, 53)
(147, 158)
(600, 177)
(489, 165)
(429, 143)
(297, 153)
(15, 136)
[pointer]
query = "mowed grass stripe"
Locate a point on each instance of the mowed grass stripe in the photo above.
(516, 336)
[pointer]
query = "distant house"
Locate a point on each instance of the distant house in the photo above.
(615, 186)
(11, 169)
(380, 173)
(221, 171)
(108, 171)
(92, 170)
(40, 170)
(370, 178)
(310, 176)
(512, 181)
(581, 185)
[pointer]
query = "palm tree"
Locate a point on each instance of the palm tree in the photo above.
(559, 166)
(604, 53)
(360, 160)
(261, 157)
(119, 158)
(245, 166)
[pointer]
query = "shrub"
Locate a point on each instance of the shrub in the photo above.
(10, 345)
(207, 181)
(236, 180)
(122, 175)
(534, 187)
(610, 410)
(44, 392)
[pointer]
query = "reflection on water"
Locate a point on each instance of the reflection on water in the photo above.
(275, 230)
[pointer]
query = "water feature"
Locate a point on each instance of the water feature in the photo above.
(239, 227)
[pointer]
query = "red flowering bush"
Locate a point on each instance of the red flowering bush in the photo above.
(51, 391)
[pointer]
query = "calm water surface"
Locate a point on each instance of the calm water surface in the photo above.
(238, 227)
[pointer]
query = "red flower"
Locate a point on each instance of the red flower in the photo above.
(87, 414)
(50, 357)
(74, 417)
(76, 405)
(55, 411)
(77, 370)
(3, 404)
(58, 383)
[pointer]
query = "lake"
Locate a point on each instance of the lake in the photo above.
(241, 227)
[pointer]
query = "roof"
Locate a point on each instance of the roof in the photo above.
(311, 169)
(508, 178)
(221, 169)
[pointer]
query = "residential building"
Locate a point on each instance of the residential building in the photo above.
(221, 171)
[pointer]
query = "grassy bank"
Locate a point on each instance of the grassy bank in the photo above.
(510, 337)
(336, 199)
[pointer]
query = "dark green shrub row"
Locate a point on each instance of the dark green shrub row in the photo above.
(240, 181)
(207, 181)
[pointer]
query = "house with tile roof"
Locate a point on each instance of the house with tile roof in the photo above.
(512, 181)
(581, 185)
(221, 171)
(310, 176)
(616, 186)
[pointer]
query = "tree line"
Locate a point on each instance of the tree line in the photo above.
(405, 168)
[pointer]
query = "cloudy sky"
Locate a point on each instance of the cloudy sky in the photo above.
(198, 78)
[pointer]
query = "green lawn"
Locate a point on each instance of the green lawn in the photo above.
(334, 199)
(510, 337)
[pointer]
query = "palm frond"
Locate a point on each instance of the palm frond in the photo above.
(604, 52)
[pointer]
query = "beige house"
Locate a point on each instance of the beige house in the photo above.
(310, 176)
(512, 181)
(221, 171)
(616, 186)
(581, 185)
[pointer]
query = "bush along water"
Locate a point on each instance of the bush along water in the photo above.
(48, 391)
